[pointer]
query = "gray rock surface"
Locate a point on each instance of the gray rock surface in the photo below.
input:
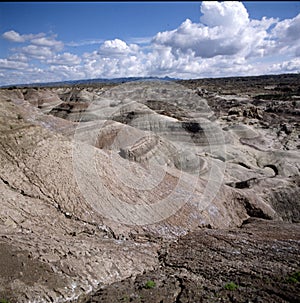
(255, 263)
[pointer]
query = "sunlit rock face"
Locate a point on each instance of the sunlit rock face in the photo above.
(95, 179)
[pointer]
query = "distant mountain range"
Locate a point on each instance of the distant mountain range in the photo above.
(131, 79)
(89, 81)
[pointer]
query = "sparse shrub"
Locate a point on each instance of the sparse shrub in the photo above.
(294, 278)
(3, 301)
(150, 284)
(231, 286)
(125, 299)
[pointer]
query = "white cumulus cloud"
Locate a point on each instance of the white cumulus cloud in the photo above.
(48, 42)
(117, 47)
(13, 36)
(8, 64)
(225, 41)
(37, 52)
(16, 37)
(115, 58)
(65, 59)
(286, 36)
(288, 66)
(225, 30)
(229, 14)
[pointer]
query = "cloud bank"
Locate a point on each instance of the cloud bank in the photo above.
(225, 42)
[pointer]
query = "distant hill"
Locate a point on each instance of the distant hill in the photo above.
(267, 79)
(89, 81)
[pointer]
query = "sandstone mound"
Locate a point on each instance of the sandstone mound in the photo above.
(42, 98)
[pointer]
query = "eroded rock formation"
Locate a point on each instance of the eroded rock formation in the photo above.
(96, 181)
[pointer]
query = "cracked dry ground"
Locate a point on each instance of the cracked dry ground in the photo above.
(260, 258)
(54, 246)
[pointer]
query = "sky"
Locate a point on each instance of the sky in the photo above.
(59, 41)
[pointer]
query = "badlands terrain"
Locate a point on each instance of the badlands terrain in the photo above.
(151, 191)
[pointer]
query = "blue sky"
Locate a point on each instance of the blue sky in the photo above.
(56, 41)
